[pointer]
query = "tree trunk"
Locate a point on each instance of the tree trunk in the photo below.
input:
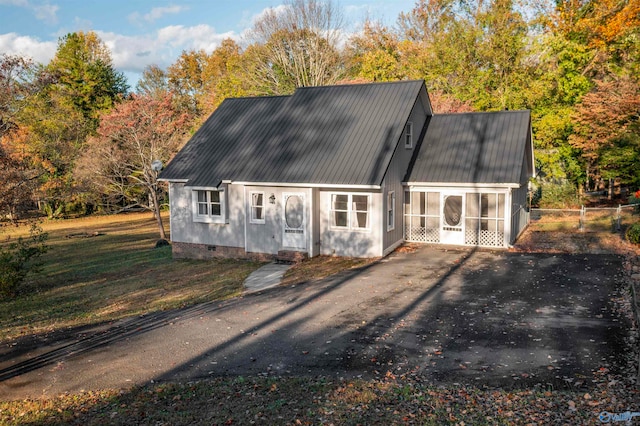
(156, 212)
(610, 188)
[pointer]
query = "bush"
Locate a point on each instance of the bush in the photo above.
(558, 196)
(18, 259)
(633, 233)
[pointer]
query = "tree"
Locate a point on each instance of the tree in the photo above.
(20, 258)
(58, 119)
(18, 181)
(85, 74)
(607, 123)
(18, 82)
(200, 81)
(154, 82)
(375, 54)
(475, 51)
(187, 80)
(117, 161)
(297, 46)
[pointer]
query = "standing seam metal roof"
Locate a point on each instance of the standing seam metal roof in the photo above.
(484, 147)
(341, 135)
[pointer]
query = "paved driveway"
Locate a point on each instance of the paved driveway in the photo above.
(449, 315)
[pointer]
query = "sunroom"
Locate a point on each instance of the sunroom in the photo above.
(468, 183)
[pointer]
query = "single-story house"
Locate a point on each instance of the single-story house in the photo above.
(351, 170)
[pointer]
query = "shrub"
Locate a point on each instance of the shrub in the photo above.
(558, 196)
(633, 233)
(19, 258)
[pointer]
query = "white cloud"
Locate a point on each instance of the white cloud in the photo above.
(134, 53)
(158, 12)
(43, 10)
(155, 14)
(39, 51)
(130, 54)
(46, 12)
(21, 3)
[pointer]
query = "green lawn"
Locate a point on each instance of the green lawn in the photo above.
(89, 279)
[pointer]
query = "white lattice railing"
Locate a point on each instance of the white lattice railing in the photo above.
(420, 234)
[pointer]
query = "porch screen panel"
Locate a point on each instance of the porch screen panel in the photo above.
(472, 223)
(500, 223)
(422, 216)
(485, 219)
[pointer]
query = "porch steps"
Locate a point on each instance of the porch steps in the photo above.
(291, 256)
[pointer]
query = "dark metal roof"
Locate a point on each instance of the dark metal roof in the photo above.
(483, 148)
(337, 135)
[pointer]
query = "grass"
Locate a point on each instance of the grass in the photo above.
(106, 268)
(321, 267)
(304, 401)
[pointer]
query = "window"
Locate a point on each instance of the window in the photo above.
(391, 211)
(350, 211)
(408, 142)
(209, 206)
(257, 207)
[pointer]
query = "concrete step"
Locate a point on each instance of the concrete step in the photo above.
(291, 256)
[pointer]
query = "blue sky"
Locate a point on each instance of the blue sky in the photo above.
(143, 32)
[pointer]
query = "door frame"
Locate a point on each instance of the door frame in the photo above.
(300, 242)
(454, 235)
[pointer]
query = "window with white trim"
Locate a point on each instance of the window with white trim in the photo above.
(391, 211)
(350, 211)
(408, 134)
(208, 206)
(257, 207)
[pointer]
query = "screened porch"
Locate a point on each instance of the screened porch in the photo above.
(456, 217)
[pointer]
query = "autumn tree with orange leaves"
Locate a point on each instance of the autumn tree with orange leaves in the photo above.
(607, 130)
(117, 162)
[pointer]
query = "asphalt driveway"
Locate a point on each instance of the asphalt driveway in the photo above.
(489, 318)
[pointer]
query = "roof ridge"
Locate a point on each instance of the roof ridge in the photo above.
(481, 112)
(371, 83)
(258, 97)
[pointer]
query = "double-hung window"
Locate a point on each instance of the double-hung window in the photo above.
(350, 211)
(208, 206)
(391, 211)
(257, 207)
(408, 134)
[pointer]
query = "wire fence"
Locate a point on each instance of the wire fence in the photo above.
(588, 219)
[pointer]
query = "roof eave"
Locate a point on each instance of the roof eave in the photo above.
(306, 185)
(172, 180)
(462, 185)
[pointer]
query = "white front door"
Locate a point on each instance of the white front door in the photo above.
(294, 222)
(452, 218)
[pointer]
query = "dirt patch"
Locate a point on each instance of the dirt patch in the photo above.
(535, 240)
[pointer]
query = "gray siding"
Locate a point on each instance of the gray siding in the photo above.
(314, 250)
(396, 172)
(351, 243)
(185, 230)
(519, 212)
(267, 237)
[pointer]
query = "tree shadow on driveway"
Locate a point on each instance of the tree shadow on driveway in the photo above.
(490, 319)
(449, 316)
